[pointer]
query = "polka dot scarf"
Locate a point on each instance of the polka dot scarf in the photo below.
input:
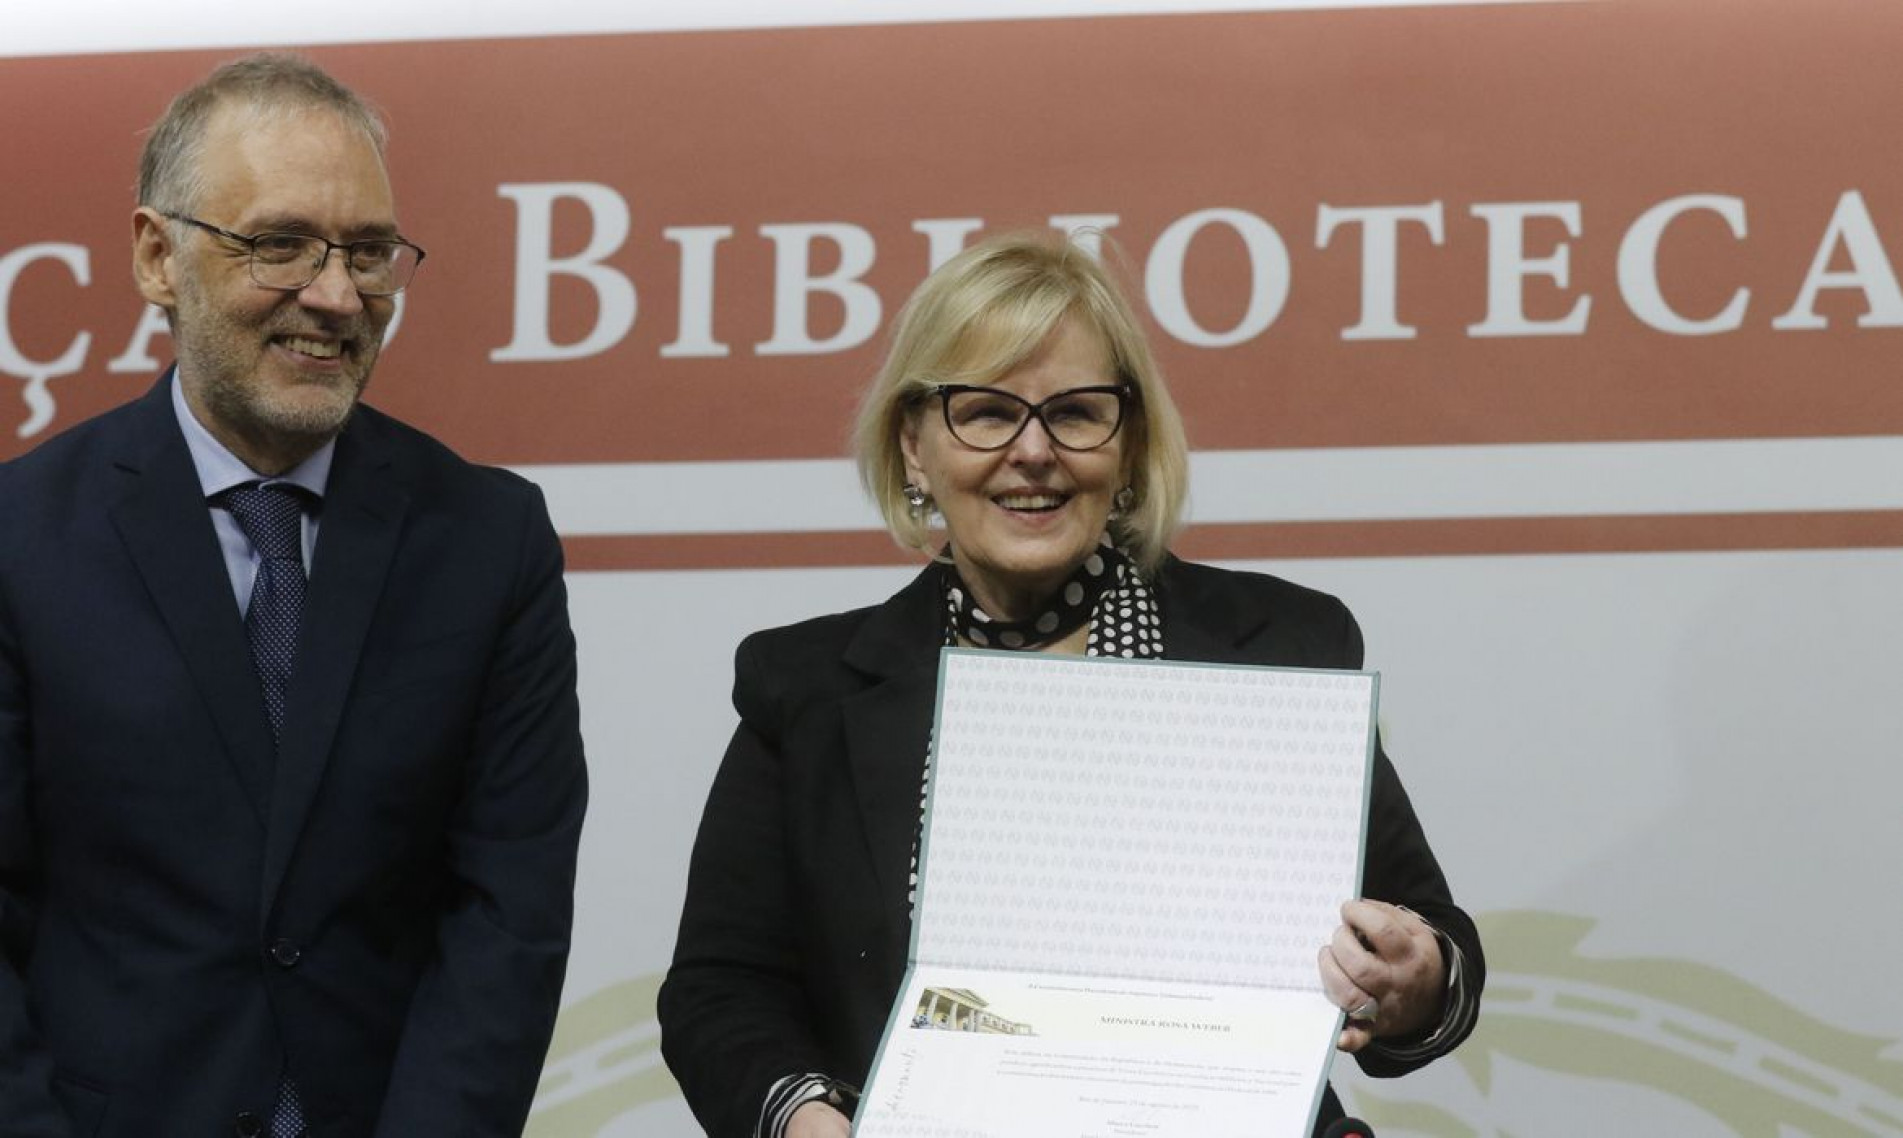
(1106, 590)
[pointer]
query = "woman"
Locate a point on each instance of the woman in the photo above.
(1019, 405)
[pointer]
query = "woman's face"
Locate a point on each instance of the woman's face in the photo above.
(1022, 518)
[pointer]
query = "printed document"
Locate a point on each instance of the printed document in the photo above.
(1126, 873)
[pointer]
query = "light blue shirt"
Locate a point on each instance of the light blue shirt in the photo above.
(219, 470)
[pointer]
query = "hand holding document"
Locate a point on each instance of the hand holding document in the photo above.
(1127, 871)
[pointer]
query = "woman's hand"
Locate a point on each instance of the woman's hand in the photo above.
(1383, 968)
(817, 1120)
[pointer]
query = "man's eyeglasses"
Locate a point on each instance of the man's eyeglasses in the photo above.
(986, 418)
(378, 266)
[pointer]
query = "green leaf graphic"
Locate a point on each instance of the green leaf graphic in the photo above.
(605, 1060)
(1680, 1027)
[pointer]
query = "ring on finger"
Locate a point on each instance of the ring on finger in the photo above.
(1367, 1011)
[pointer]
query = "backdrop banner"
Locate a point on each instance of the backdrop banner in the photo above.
(1563, 341)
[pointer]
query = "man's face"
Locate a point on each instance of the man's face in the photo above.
(272, 374)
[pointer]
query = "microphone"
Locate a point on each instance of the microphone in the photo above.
(1349, 1128)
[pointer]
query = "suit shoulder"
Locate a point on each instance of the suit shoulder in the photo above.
(781, 673)
(1193, 584)
(797, 648)
(434, 464)
(78, 443)
(62, 478)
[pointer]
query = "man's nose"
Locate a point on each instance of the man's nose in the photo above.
(332, 289)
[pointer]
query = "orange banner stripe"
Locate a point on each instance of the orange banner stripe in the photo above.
(1477, 537)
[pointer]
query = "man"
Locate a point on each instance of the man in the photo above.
(290, 767)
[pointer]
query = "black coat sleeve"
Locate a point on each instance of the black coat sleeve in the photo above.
(1402, 870)
(734, 1011)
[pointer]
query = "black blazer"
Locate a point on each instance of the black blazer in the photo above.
(794, 935)
(383, 908)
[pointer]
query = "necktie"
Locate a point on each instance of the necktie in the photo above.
(272, 518)
(287, 1115)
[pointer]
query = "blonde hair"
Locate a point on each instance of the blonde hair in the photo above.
(978, 317)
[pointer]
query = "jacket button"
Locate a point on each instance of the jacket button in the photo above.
(247, 1125)
(284, 953)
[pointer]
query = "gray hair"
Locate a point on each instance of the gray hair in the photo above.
(171, 178)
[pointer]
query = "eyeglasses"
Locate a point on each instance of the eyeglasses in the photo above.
(378, 266)
(986, 418)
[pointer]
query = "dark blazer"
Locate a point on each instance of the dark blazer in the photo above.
(384, 907)
(795, 931)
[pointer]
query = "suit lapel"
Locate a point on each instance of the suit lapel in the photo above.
(364, 508)
(1204, 620)
(167, 531)
(887, 728)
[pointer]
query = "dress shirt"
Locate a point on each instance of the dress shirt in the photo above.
(219, 470)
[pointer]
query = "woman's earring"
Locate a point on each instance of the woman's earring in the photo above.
(917, 501)
(1124, 502)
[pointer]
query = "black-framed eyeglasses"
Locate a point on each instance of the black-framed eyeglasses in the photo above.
(988, 418)
(378, 266)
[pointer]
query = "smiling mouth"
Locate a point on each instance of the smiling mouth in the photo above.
(1031, 503)
(316, 349)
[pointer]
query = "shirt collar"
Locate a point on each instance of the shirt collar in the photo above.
(219, 470)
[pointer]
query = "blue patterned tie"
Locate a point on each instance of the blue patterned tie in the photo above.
(272, 518)
(287, 1114)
